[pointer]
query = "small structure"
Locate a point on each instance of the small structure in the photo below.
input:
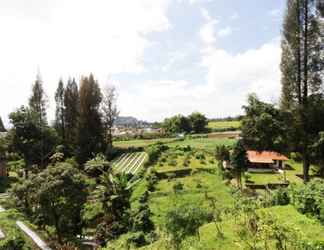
(265, 161)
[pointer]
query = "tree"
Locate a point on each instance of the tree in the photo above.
(184, 221)
(115, 194)
(264, 127)
(177, 124)
(2, 127)
(109, 113)
(35, 143)
(302, 69)
(59, 113)
(37, 101)
(198, 122)
(55, 197)
(90, 130)
(239, 161)
(71, 113)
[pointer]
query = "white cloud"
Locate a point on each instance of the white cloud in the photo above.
(225, 32)
(234, 16)
(72, 38)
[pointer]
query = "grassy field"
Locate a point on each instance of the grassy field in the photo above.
(291, 175)
(310, 228)
(198, 143)
(141, 142)
(224, 124)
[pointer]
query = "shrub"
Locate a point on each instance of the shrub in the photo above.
(280, 197)
(137, 239)
(15, 242)
(296, 156)
(178, 186)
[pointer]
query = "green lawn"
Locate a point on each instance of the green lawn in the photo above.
(224, 124)
(291, 174)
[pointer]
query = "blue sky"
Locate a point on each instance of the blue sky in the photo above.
(164, 57)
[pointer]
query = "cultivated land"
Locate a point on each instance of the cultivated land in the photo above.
(224, 124)
(129, 162)
(204, 180)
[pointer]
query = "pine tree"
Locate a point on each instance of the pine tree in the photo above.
(2, 127)
(90, 130)
(59, 113)
(37, 101)
(109, 113)
(71, 113)
(301, 67)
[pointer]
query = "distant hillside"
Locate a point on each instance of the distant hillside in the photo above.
(129, 121)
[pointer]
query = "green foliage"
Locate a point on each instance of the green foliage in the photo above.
(32, 140)
(54, 197)
(198, 122)
(96, 166)
(239, 161)
(309, 199)
(37, 101)
(13, 243)
(184, 221)
(90, 129)
(263, 126)
(280, 197)
(178, 186)
(154, 151)
(222, 153)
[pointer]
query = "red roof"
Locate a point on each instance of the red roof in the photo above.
(264, 156)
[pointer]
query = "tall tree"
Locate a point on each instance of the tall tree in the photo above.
(2, 127)
(34, 143)
(59, 112)
(37, 101)
(264, 126)
(71, 113)
(301, 67)
(90, 131)
(239, 162)
(109, 113)
(198, 122)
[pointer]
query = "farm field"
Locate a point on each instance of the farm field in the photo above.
(129, 162)
(208, 144)
(141, 142)
(224, 124)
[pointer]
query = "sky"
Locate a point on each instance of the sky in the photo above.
(164, 57)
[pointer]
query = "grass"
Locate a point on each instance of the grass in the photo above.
(203, 143)
(224, 124)
(141, 142)
(309, 228)
(291, 175)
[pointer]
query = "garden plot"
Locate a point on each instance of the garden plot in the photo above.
(129, 162)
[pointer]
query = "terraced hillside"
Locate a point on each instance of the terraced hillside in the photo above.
(130, 162)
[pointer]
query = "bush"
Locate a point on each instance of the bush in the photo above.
(16, 242)
(137, 239)
(280, 197)
(296, 156)
(178, 186)
(308, 199)
(154, 151)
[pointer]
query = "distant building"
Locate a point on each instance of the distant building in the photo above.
(265, 161)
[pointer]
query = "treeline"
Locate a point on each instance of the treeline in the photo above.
(84, 118)
(194, 123)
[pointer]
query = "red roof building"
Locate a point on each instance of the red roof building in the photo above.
(265, 159)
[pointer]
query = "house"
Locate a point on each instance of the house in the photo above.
(265, 161)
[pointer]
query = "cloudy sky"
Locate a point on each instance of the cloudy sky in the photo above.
(164, 56)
